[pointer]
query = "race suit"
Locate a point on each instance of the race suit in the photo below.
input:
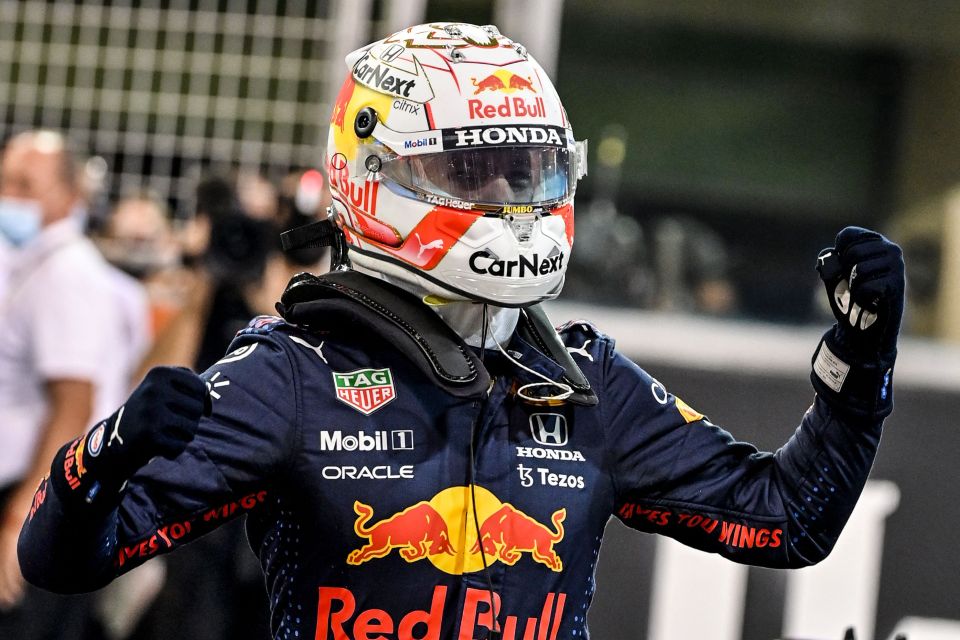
(375, 516)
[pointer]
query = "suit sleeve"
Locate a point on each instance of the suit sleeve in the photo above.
(238, 454)
(679, 475)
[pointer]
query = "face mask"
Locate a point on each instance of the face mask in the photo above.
(20, 220)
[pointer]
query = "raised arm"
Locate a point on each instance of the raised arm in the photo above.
(680, 475)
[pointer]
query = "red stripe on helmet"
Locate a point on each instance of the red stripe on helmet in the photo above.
(343, 99)
(566, 212)
(434, 236)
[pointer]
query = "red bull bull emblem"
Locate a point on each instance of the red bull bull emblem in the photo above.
(509, 532)
(503, 80)
(442, 531)
(366, 390)
(418, 531)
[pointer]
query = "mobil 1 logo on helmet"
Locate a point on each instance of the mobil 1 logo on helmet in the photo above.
(366, 390)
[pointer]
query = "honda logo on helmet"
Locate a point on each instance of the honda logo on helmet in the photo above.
(392, 52)
(496, 136)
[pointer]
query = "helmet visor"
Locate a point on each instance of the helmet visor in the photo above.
(495, 176)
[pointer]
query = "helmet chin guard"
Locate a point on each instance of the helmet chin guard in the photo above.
(453, 166)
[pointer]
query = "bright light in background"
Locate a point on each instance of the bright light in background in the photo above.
(611, 151)
(309, 191)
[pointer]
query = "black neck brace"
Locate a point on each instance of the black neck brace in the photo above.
(344, 296)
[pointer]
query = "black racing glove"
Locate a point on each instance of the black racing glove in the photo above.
(853, 366)
(160, 418)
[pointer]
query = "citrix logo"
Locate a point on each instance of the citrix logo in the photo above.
(485, 262)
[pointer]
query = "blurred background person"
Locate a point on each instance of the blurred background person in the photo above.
(238, 268)
(299, 199)
(6, 255)
(227, 251)
(138, 238)
(63, 353)
(611, 264)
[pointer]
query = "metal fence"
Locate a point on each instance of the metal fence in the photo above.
(161, 93)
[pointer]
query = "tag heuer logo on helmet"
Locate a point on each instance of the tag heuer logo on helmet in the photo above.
(501, 136)
(366, 390)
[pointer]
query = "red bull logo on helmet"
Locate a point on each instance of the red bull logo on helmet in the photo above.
(503, 80)
(442, 531)
(515, 107)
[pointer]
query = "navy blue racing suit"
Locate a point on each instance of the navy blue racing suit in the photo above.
(375, 516)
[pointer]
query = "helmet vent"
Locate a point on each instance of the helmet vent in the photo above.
(456, 54)
(522, 226)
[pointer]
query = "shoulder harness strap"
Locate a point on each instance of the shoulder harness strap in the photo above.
(312, 302)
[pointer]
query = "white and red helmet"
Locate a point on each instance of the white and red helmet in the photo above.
(453, 166)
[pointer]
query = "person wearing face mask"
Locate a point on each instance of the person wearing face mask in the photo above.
(419, 453)
(6, 255)
(60, 352)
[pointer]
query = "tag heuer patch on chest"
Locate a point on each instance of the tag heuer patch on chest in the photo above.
(366, 390)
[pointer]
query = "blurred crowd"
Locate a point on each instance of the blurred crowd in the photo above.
(91, 297)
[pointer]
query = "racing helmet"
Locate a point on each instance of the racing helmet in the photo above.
(452, 166)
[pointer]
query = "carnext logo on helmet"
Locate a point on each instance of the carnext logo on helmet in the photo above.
(383, 78)
(486, 263)
(503, 136)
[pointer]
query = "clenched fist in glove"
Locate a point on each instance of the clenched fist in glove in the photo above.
(159, 418)
(853, 366)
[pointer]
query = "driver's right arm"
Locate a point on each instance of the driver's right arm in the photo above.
(162, 470)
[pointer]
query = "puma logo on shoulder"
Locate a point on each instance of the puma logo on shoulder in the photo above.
(582, 350)
(316, 349)
(115, 434)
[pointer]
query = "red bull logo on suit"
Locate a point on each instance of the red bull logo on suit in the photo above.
(442, 531)
(339, 619)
